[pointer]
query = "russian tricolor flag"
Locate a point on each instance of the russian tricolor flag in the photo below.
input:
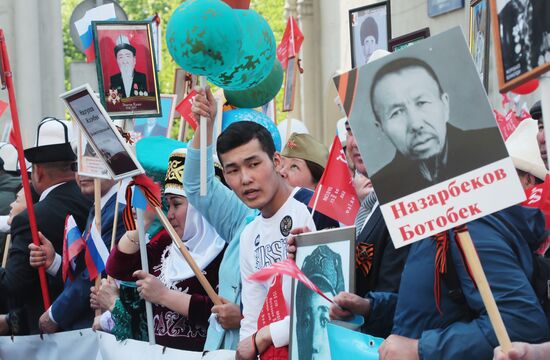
(84, 26)
(96, 252)
(73, 244)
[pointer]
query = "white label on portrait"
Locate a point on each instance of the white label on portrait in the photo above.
(88, 162)
(453, 202)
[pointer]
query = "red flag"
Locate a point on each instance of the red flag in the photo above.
(291, 42)
(539, 197)
(274, 309)
(335, 192)
(3, 107)
(505, 100)
(238, 4)
(507, 123)
(184, 108)
(287, 267)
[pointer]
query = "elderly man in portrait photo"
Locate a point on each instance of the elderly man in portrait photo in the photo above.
(324, 267)
(369, 38)
(413, 111)
(128, 82)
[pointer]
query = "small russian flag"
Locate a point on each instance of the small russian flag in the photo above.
(84, 26)
(96, 252)
(73, 244)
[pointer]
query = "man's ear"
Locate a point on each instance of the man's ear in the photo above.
(277, 161)
(446, 103)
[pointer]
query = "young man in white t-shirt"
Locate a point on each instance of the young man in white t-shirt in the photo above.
(250, 164)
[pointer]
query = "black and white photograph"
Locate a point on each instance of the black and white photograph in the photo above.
(414, 121)
(370, 30)
(101, 133)
(521, 31)
(290, 84)
(126, 68)
(479, 38)
(326, 258)
(89, 164)
(440, 7)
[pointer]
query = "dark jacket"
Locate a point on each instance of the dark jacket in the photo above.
(139, 84)
(9, 186)
(455, 334)
(71, 310)
(466, 151)
(19, 282)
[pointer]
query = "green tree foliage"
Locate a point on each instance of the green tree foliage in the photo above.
(272, 10)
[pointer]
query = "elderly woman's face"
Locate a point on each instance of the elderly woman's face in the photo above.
(17, 206)
(177, 212)
(296, 173)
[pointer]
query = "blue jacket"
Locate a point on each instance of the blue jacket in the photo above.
(71, 310)
(229, 215)
(453, 334)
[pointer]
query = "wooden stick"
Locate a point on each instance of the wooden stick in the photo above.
(145, 268)
(181, 246)
(545, 106)
(6, 249)
(483, 285)
(203, 140)
(97, 213)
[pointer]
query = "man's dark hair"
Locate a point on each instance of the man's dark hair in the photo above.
(368, 27)
(316, 170)
(241, 133)
(396, 66)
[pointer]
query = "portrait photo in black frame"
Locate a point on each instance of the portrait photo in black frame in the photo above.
(370, 30)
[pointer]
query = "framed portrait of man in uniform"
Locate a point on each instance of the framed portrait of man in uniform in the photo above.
(126, 69)
(326, 257)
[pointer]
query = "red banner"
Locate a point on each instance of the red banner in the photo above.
(3, 107)
(291, 42)
(507, 123)
(335, 195)
(184, 108)
(539, 197)
(274, 309)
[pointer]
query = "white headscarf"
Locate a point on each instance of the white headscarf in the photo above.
(202, 241)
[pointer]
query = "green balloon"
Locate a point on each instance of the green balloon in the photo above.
(204, 37)
(256, 57)
(260, 94)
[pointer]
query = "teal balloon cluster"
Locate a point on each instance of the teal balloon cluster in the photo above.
(260, 94)
(256, 56)
(204, 37)
(235, 49)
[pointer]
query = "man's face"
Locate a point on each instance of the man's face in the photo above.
(126, 61)
(412, 112)
(369, 45)
(541, 140)
(251, 174)
(86, 185)
(352, 152)
(314, 318)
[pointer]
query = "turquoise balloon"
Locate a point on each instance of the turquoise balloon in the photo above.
(204, 37)
(260, 94)
(256, 57)
(232, 116)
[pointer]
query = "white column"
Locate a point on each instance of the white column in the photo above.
(311, 86)
(26, 66)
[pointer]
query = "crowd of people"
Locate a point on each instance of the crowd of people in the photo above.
(257, 200)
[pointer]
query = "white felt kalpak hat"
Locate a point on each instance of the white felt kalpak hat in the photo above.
(8, 154)
(523, 149)
(53, 142)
